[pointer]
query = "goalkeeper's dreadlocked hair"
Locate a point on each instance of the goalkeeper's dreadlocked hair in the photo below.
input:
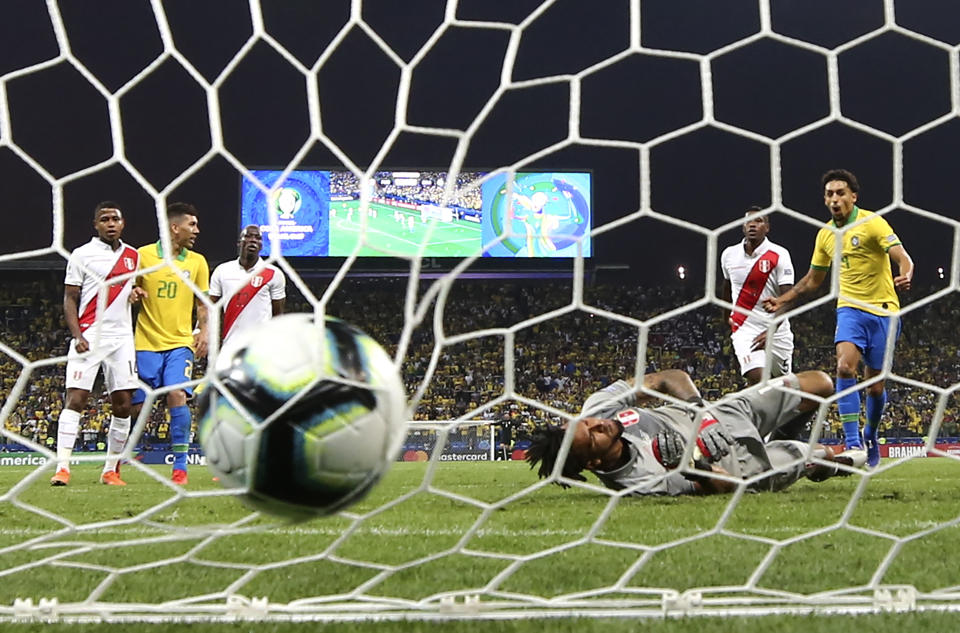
(545, 443)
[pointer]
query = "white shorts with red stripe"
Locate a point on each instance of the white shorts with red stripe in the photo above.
(116, 355)
(781, 347)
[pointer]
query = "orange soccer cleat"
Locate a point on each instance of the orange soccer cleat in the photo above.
(179, 477)
(62, 478)
(112, 478)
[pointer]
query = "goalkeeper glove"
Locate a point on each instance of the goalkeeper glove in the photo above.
(713, 440)
(668, 448)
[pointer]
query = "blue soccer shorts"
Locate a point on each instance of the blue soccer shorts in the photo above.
(164, 369)
(866, 331)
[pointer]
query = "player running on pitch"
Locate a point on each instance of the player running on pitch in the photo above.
(256, 289)
(641, 449)
(867, 305)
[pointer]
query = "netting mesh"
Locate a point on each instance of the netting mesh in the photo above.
(172, 537)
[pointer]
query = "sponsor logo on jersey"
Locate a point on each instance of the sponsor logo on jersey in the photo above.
(628, 417)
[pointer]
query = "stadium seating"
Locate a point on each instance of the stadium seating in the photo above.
(559, 362)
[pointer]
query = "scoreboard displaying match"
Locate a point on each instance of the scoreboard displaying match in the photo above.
(330, 213)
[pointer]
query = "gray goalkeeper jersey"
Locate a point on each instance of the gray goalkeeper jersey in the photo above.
(745, 418)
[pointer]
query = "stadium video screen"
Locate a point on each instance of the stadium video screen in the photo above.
(318, 214)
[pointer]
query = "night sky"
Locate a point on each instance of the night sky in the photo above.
(891, 82)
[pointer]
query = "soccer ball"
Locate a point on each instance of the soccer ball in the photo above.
(305, 420)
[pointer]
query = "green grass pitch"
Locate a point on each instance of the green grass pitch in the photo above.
(146, 543)
(385, 235)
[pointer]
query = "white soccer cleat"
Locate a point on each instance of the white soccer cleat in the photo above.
(854, 457)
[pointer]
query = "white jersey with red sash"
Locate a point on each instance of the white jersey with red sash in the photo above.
(250, 293)
(754, 278)
(89, 267)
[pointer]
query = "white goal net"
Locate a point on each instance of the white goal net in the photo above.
(684, 116)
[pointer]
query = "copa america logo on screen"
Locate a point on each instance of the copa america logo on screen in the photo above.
(286, 202)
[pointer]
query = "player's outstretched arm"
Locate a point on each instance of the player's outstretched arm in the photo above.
(904, 264)
(760, 341)
(810, 282)
(672, 382)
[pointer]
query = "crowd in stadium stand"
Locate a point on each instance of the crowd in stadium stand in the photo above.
(433, 192)
(558, 361)
(344, 183)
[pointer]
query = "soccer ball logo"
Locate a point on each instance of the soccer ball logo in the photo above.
(305, 420)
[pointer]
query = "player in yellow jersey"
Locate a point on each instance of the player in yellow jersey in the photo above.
(165, 340)
(866, 307)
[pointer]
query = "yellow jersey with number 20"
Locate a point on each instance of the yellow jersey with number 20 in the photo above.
(166, 313)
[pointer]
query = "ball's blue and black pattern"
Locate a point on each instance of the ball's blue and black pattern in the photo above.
(323, 450)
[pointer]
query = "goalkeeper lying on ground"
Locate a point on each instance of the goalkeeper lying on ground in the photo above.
(641, 449)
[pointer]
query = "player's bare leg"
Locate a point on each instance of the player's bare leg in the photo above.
(814, 382)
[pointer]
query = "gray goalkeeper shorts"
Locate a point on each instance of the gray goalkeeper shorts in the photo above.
(765, 409)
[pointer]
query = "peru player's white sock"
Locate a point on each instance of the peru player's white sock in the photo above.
(67, 427)
(116, 439)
